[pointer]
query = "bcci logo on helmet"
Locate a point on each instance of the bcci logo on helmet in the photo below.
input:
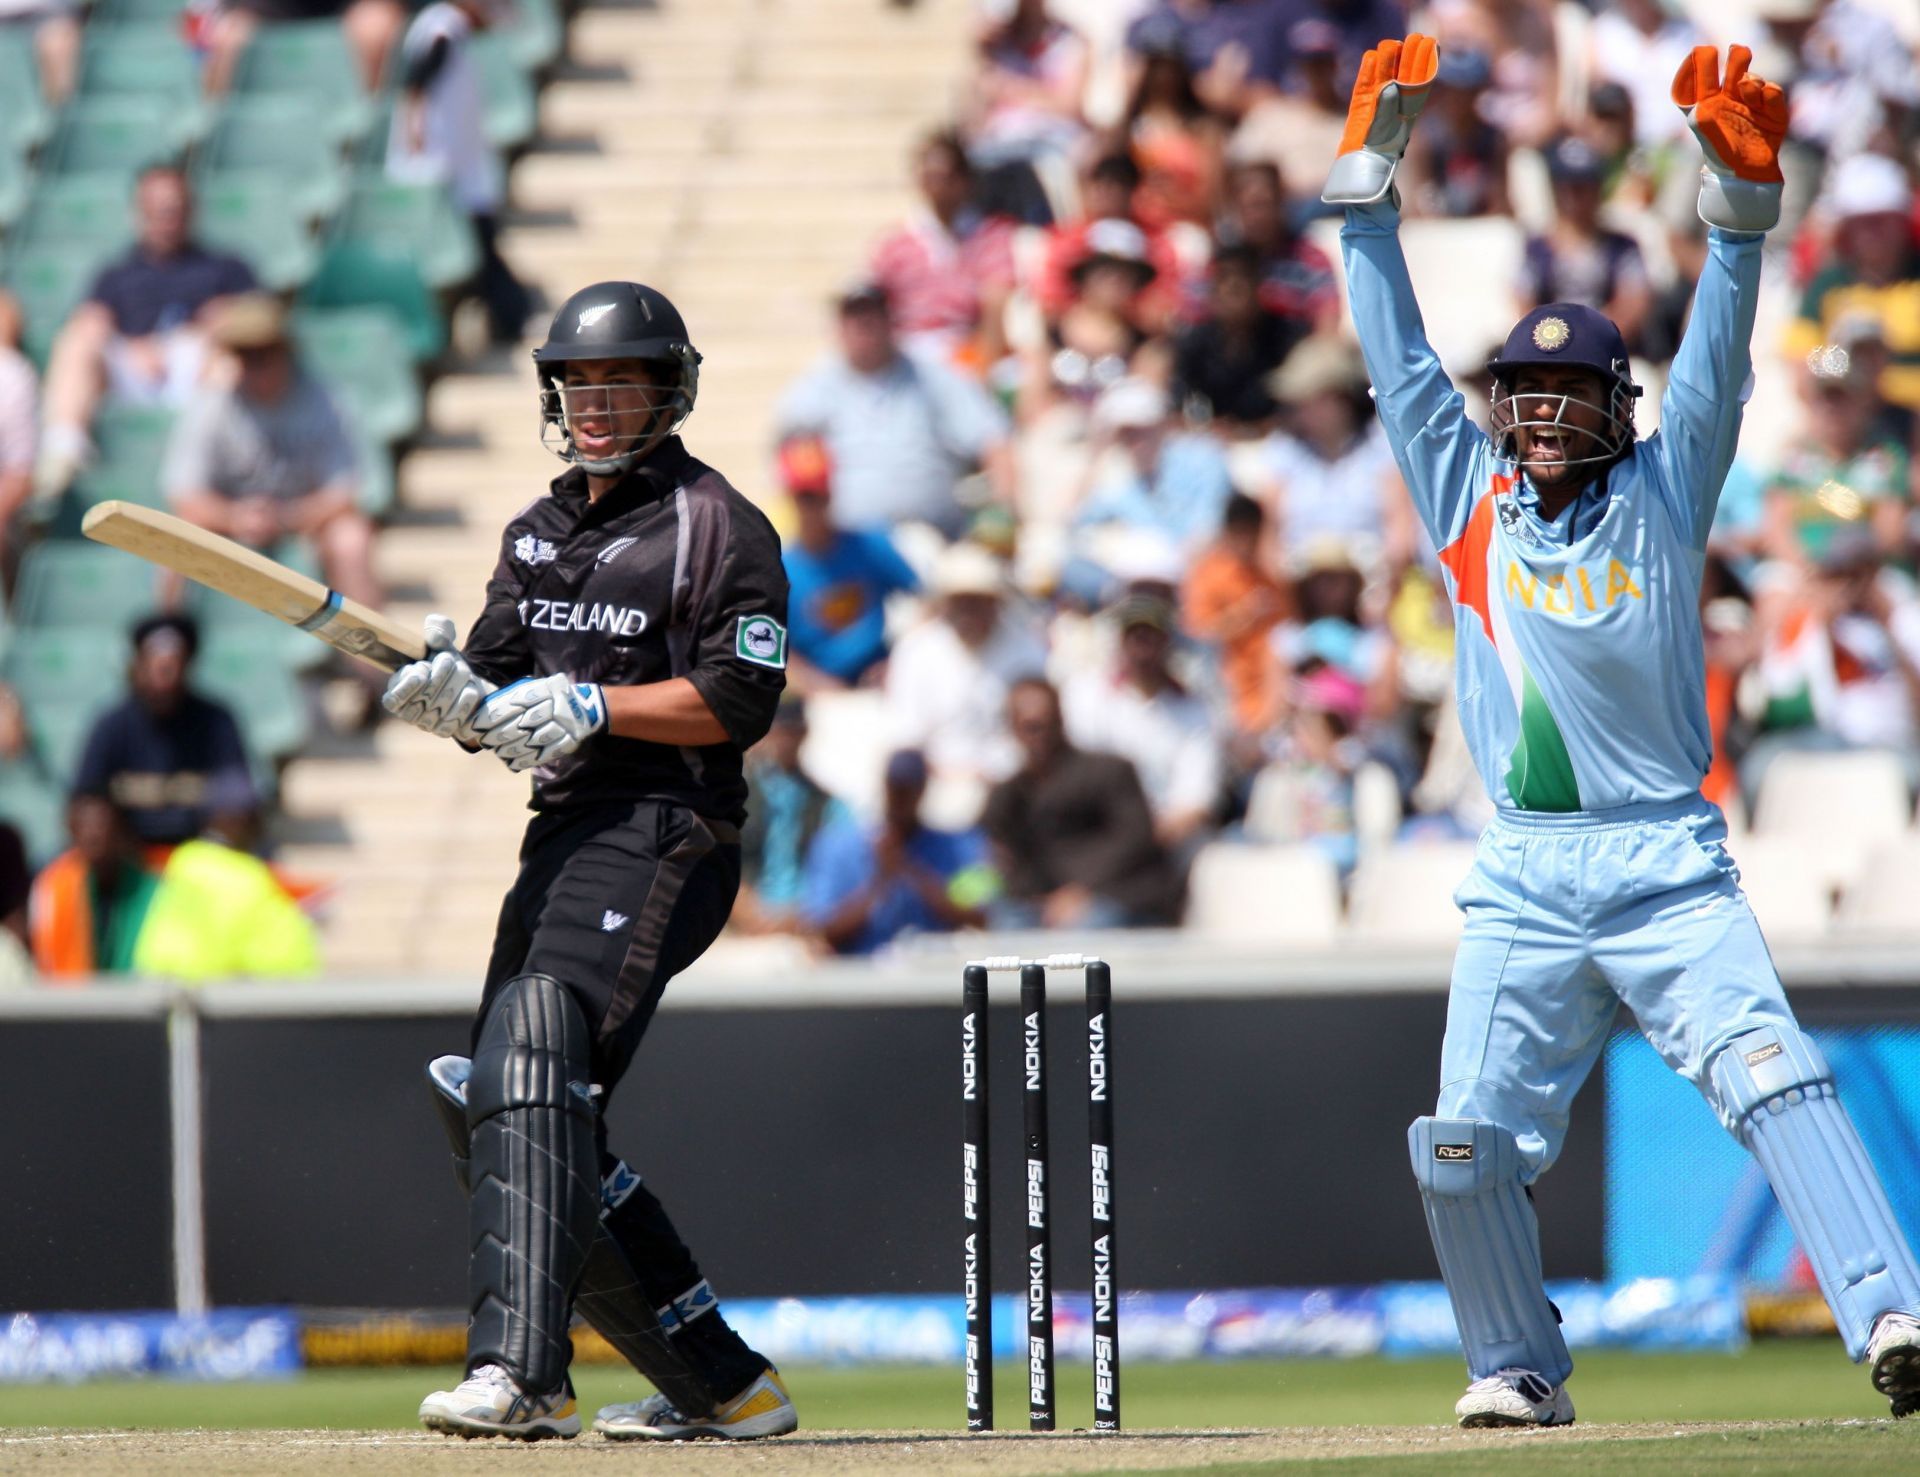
(762, 640)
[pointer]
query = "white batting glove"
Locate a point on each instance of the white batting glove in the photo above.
(439, 694)
(539, 719)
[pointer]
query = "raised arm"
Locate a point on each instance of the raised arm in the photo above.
(1435, 444)
(1425, 417)
(1740, 122)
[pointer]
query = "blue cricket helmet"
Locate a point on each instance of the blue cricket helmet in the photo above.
(1566, 336)
(1563, 334)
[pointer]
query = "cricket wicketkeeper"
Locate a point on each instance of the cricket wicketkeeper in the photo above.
(632, 647)
(1573, 554)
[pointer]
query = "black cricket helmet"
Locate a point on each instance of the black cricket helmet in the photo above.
(616, 320)
(1565, 336)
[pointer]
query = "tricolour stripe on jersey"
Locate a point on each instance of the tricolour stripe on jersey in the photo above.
(1539, 770)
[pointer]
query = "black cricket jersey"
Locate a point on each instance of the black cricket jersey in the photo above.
(672, 573)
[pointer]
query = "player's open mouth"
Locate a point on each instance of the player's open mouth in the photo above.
(1548, 446)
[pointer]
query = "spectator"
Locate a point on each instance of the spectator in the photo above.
(867, 886)
(1639, 45)
(1108, 228)
(1331, 474)
(1840, 662)
(1296, 277)
(1178, 143)
(1456, 163)
(220, 913)
(1844, 472)
(1072, 834)
(1331, 629)
(840, 580)
(785, 812)
(1874, 274)
(19, 423)
(1222, 363)
(1856, 81)
(1577, 260)
(1298, 130)
(140, 334)
(54, 26)
(1231, 601)
(1522, 101)
(1167, 481)
(89, 904)
(439, 136)
(270, 458)
(1139, 710)
(902, 429)
(1024, 108)
(1305, 792)
(948, 270)
(371, 28)
(1097, 338)
(948, 678)
(163, 750)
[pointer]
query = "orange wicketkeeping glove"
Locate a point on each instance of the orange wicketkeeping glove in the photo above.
(1740, 123)
(1388, 94)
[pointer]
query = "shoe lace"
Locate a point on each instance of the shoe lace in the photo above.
(488, 1378)
(1529, 1384)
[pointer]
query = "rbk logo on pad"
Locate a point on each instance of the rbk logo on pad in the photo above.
(1453, 1152)
(1764, 1054)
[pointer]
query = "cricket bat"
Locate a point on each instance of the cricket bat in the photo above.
(253, 579)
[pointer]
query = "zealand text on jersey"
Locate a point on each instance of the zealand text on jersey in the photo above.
(570, 615)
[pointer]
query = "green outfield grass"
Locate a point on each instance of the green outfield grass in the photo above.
(1809, 1381)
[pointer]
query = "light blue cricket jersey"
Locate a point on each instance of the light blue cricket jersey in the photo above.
(1579, 669)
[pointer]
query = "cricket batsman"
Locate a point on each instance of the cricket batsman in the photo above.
(631, 648)
(1573, 554)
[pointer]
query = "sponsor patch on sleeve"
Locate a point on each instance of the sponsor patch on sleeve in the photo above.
(762, 640)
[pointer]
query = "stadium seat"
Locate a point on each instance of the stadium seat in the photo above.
(1882, 898)
(150, 59)
(251, 676)
(352, 276)
(16, 182)
(1836, 805)
(32, 801)
(82, 586)
(115, 136)
(511, 105)
(130, 444)
(416, 223)
(1788, 884)
(536, 33)
(362, 355)
(254, 217)
(279, 139)
(1404, 894)
(308, 59)
(135, 12)
(25, 118)
(64, 678)
(90, 211)
(1278, 895)
(47, 281)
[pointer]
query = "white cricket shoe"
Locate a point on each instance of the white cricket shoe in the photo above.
(489, 1403)
(764, 1408)
(1894, 1354)
(1514, 1397)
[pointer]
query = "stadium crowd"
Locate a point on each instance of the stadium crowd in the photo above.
(230, 235)
(1089, 522)
(1089, 494)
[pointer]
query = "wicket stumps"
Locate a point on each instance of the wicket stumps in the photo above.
(977, 1229)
